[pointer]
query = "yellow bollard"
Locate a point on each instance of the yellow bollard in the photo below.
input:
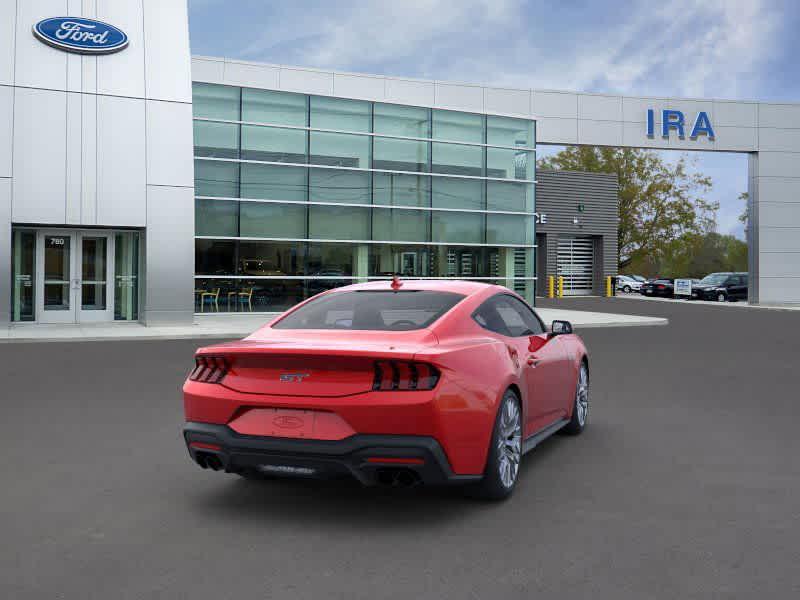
(561, 286)
(551, 287)
(608, 287)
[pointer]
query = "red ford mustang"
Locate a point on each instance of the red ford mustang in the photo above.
(393, 383)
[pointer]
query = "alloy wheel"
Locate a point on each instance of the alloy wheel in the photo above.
(582, 396)
(509, 443)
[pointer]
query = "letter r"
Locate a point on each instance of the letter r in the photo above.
(672, 119)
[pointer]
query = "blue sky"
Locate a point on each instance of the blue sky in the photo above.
(740, 49)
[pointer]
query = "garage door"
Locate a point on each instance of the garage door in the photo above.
(576, 264)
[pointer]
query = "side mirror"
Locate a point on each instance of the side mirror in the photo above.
(560, 327)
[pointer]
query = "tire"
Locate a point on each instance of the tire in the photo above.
(627, 289)
(721, 297)
(580, 408)
(505, 452)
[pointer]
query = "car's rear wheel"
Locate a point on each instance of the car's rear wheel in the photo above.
(627, 289)
(580, 411)
(505, 452)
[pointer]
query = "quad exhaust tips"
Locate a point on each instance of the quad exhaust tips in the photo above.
(209, 461)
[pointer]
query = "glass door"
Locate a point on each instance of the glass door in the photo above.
(55, 275)
(95, 275)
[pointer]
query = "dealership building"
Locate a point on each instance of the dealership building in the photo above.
(139, 183)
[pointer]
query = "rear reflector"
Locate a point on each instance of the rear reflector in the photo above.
(392, 375)
(205, 446)
(209, 369)
(395, 460)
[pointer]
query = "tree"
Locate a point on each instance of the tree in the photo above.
(659, 202)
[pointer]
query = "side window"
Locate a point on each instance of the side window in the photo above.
(508, 316)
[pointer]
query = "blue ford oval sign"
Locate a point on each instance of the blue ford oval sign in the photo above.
(76, 34)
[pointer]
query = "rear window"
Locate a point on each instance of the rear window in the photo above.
(371, 310)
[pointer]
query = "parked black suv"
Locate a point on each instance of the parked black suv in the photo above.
(721, 287)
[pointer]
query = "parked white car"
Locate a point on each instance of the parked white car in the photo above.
(627, 284)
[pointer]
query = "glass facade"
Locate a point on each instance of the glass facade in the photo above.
(296, 194)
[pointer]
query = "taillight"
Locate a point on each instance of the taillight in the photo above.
(661, 287)
(209, 369)
(391, 375)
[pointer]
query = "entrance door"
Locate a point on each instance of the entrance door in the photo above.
(73, 273)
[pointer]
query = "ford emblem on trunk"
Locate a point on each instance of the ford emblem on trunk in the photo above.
(84, 36)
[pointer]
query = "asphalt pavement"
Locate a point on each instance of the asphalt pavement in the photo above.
(686, 484)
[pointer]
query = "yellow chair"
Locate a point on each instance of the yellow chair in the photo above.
(246, 295)
(212, 297)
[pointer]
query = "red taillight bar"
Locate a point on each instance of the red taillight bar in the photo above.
(394, 375)
(209, 369)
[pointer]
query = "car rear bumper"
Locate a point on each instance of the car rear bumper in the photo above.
(371, 459)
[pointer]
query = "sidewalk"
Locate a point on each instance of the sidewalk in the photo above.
(239, 325)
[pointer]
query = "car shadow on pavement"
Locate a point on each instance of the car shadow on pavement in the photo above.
(348, 503)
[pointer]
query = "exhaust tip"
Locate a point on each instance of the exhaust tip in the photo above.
(398, 477)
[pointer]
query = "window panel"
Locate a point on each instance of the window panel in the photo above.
(213, 178)
(457, 159)
(339, 150)
(338, 222)
(214, 257)
(451, 192)
(261, 259)
(216, 217)
(273, 144)
(408, 261)
(407, 121)
(509, 164)
(331, 260)
(220, 140)
(215, 295)
(273, 182)
(507, 131)
(23, 259)
(508, 229)
(400, 225)
(340, 114)
(337, 185)
(457, 126)
(262, 219)
(506, 195)
(400, 155)
(281, 108)
(215, 101)
(458, 227)
(401, 190)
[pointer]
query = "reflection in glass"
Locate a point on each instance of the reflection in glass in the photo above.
(457, 126)
(214, 257)
(215, 101)
(216, 178)
(23, 260)
(56, 272)
(457, 159)
(216, 217)
(273, 182)
(261, 219)
(401, 190)
(406, 121)
(400, 155)
(508, 229)
(457, 227)
(126, 276)
(506, 195)
(93, 273)
(341, 114)
(338, 222)
(339, 150)
(509, 164)
(273, 144)
(261, 259)
(401, 225)
(331, 260)
(338, 185)
(451, 192)
(507, 131)
(219, 140)
(280, 108)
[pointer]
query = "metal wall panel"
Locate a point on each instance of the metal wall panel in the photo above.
(6, 127)
(5, 250)
(121, 73)
(36, 64)
(8, 25)
(169, 144)
(166, 52)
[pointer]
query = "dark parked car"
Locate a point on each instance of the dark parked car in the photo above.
(663, 288)
(721, 287)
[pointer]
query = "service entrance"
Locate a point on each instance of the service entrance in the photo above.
(576, 264)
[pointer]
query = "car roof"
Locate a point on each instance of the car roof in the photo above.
(457, 286)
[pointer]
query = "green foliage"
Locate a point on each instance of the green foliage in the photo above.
(694, 255)
(660, 203)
